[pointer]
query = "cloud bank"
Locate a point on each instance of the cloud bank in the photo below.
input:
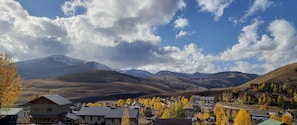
(104, 34)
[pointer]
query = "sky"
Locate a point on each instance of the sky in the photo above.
(207, 36)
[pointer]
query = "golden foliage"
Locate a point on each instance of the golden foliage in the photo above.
(275, 117)
(235, 91)
(242, 118)
(200, 116)
(221, 118)
(125, 118)
(166, 113)
(120, 103)
(206, 115)
(264, 106)
(287, 118)
(10, 81)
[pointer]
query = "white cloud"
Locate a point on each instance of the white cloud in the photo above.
(258, 5)
(181, 34)
(120, 40)
(216, 7)
(274, 49)
(190, 59)
(70, 7)
(181, 23)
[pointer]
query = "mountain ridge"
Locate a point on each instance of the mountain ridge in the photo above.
(285, 73)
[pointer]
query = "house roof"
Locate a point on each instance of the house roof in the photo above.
(58, 99)
(93, 111)
(107, 112)
(259, 112)
(271, 122)
(173, 122)
(71, 116)
(10, 111)
(118, 113)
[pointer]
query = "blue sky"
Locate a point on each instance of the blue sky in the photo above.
(253, 36)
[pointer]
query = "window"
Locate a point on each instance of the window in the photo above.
(49, 110)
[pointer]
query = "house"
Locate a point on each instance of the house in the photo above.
(49, 108)
(272, 122)
(173, 122)
(106, 115)
(10, 116)
(115, 115)
(93, 114)
(258, 116)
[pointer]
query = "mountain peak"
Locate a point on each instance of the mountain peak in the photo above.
(55, 65)
(63, 59)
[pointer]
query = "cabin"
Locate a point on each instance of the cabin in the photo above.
(114, 116)
(49, 108)
(10, 116)
(173, 122)
(92, 115)
(106, 115)
(258, 116)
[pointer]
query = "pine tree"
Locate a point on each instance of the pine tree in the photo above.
(125, 118)
(10, 81)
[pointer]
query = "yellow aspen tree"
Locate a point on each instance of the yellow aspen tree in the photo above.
(206, 116)
(275, 117)
(179, 111)
(90, 104)
(125, 118)
(166, 114)
(200, 116)
(192, 99)
(146, 102)
(120, 103)
(128, 101)
(286, 118)
(104, 104)
(220, 114)
(242, 118)
(264, 106)
(10, 81)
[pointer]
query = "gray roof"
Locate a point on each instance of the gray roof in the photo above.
(107, 112)
(10, 111)
(118, 113)
(173, 122)
(259, 112)
(58, 99)
(93, 111)
(71, 116)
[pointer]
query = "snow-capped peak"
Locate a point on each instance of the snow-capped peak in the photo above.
(57, 58)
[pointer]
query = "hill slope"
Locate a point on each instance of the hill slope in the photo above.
(282, 74)
(55, 65)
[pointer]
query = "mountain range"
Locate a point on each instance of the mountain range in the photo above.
(90, 80)
(57, 65)
(75, 78)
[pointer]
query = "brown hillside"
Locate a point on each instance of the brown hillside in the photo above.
(282, 74)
